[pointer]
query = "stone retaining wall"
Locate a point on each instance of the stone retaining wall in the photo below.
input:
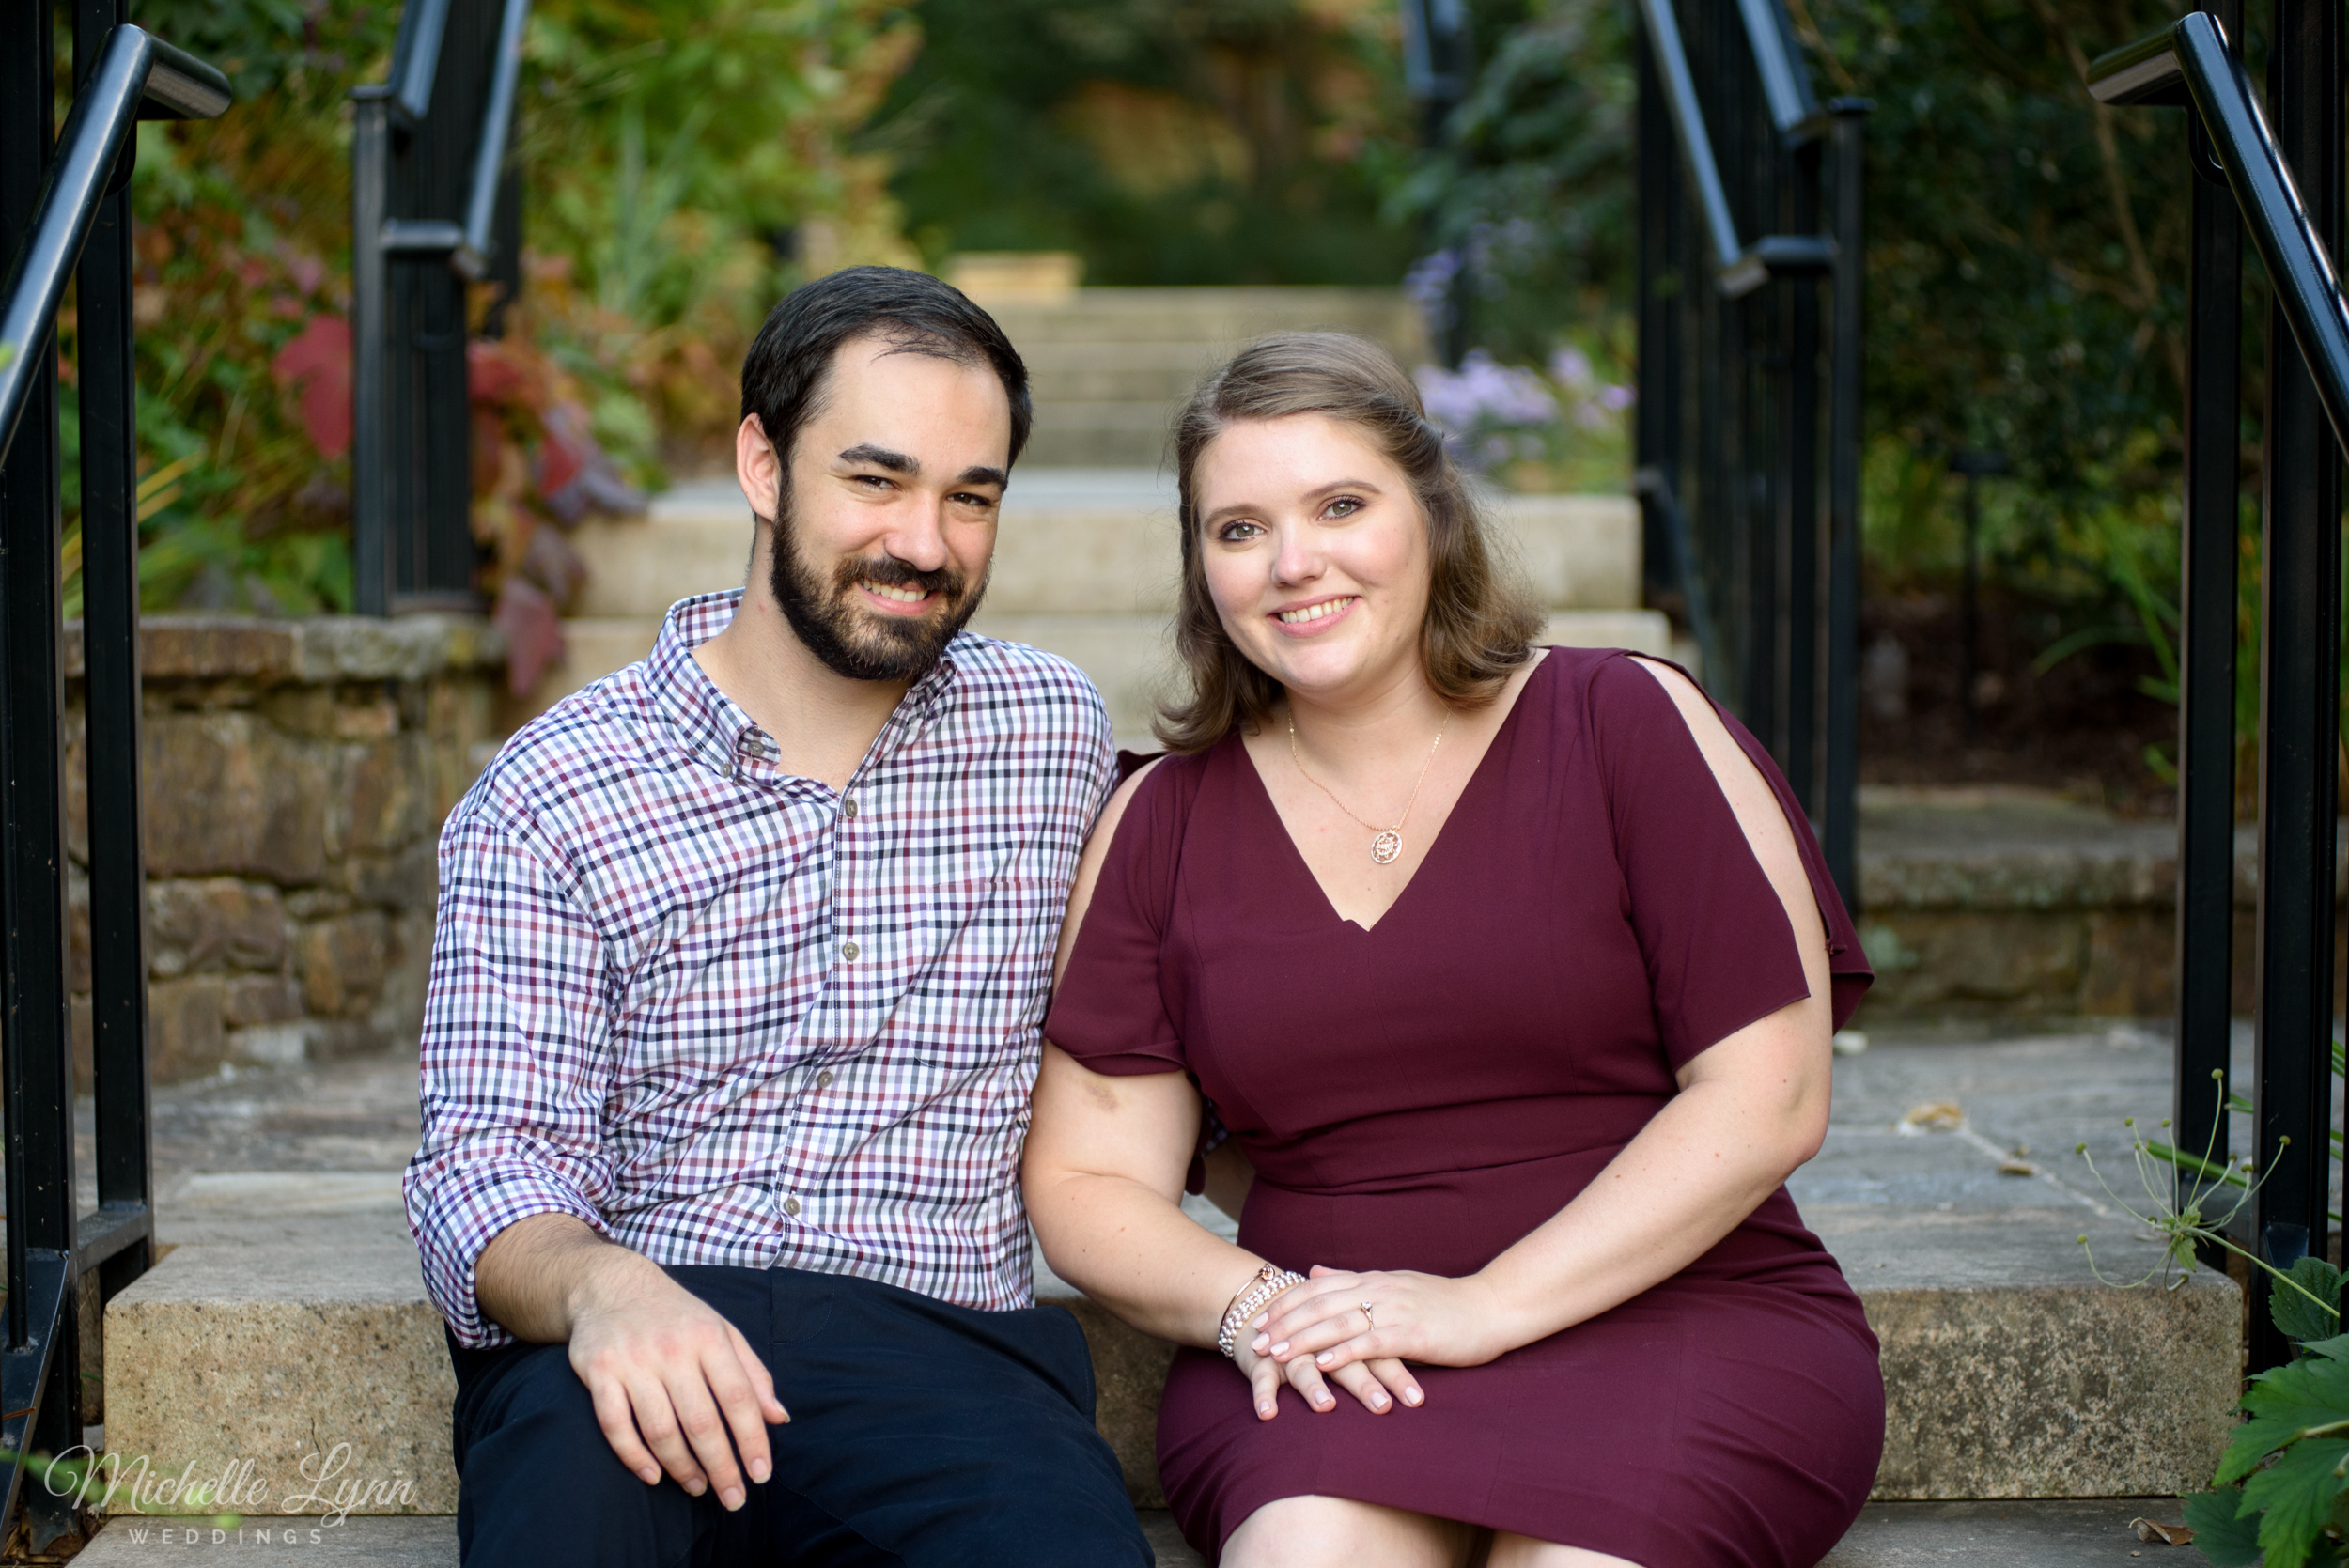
(295, 776)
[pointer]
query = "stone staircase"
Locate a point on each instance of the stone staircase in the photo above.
(2013, 1375)
(1111, 365)
(1085, 557)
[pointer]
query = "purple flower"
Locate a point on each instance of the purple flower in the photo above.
(1483, 395)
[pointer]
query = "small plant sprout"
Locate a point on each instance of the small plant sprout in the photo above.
(2182, 1225)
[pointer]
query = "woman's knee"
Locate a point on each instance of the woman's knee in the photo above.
(1523, 1551)
(1339, 1533)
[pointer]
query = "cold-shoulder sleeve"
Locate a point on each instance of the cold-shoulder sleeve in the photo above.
(1721, 952)
(1110, 1010)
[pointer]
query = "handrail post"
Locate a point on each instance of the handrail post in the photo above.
(111, 700)
(36, 1067)
(1840, 797)
(2209, 547)
(1801, 518)
(371, 530)
(2300, 694)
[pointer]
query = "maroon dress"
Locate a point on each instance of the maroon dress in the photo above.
(1422, 1094)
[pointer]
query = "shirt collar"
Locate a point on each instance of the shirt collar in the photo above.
(710, 726)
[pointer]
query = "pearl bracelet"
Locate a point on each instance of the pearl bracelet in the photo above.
(1270, 1281)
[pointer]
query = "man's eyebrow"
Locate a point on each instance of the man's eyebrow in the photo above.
(881, 457)
(979, 473)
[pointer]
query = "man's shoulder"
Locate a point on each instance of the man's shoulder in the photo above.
(1007, 679)
(600, 738)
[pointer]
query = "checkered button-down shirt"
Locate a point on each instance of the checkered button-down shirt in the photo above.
(726, 1014)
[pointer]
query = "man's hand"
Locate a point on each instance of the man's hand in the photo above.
(669, 1375)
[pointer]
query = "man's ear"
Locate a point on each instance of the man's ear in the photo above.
(757, 468)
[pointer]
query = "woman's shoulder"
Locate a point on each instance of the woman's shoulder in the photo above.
(1588, 691)
(1154, 793)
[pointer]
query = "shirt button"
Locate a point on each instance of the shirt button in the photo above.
(823, 1080)
(791, 1206)
(849, 951)
(848, 808)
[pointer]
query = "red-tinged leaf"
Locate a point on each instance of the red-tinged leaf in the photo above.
(565, 448)
(317, 364)
(534, 633)
(501, 373)
(549, 562)
(488, 449)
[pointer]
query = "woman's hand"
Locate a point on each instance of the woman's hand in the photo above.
(1322, 1325)
(1377, 1383)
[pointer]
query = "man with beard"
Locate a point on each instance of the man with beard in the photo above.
(741, 965)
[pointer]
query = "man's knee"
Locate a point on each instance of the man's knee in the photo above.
(1052, 1527)
(536, 1471)
(534, 1407)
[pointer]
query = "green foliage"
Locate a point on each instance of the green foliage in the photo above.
(680, 155)
(2314, 1311)
(2282, 1494)
(1173, 142)
(1534, 179)
(2026, 273)
(2221, 1530)
(240, 228)
(666, 146)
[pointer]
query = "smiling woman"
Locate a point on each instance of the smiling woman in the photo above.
(1474, 625)
(1513, 1083)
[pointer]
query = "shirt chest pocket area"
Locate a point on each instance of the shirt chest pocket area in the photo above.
(717, 989)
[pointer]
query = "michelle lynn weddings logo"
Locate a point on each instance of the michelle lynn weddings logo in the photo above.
(211, 1505)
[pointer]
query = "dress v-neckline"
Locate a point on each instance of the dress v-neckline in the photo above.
(1297, 855)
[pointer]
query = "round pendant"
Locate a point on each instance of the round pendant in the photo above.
(1386, 847)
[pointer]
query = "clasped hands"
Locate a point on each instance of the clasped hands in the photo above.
(1316, 1333)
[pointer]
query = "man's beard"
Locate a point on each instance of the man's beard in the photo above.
(865, 645)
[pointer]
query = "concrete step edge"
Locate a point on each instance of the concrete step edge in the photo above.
(2047, 1387)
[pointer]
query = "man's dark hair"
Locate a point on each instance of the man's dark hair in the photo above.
(789, 365)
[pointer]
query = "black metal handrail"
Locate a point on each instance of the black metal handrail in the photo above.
(1767, 577)
(1738, 269)
(70, 206)
(1778, 66)
(2190, 59)
(2286, 187)
(137, 67)
(433, 139)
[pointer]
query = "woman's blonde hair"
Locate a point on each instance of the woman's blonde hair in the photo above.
(1480, 622)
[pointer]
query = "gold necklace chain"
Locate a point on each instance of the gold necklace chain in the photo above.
(1386, 844)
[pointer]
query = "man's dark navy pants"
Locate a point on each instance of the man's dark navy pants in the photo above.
(921, 1433)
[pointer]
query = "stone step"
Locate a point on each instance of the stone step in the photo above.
(1218, 317)
(2011, 1371)
(1111, 365)
(2035, 1535)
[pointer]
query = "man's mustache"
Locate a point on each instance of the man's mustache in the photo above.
(888, 571)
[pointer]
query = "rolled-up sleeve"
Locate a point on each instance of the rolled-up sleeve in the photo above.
(515, 1064)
